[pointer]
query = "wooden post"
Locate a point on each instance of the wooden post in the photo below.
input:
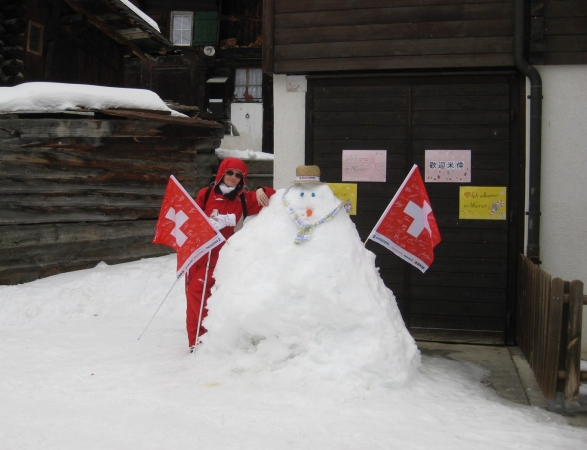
(573, 369)
(554, 324)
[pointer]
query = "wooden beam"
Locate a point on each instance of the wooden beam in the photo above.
(109, 32)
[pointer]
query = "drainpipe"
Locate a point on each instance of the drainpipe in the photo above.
(533, 213)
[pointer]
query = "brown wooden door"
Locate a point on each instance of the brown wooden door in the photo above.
(468, 294)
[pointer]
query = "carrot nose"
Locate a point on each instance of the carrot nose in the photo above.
(309, 212)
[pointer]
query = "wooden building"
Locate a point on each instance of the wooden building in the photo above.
(408, 76)
(73, 41)
(216, 66)
(82, 186)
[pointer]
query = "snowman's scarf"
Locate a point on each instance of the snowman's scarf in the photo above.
(305, 230)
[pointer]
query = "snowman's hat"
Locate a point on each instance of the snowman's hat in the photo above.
(307, 174)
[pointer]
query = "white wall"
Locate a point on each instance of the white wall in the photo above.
(289, 103)
(563, 225)
(248, 120)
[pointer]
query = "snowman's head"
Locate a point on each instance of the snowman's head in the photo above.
(311, 201)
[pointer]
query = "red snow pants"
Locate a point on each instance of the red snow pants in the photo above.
(194, 285)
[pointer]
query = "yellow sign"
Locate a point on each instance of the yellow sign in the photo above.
(347, 194)
(482, 203)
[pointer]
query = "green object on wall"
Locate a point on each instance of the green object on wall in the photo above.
(205, 26)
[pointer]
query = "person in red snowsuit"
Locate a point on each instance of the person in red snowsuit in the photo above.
(223, 201)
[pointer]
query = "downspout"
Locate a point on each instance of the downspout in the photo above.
(533, 213)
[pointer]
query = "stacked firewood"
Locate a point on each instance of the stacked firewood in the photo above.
(12, 41)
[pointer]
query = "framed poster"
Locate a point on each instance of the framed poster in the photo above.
(482, 203)
(447, 166)
(347, 194)
(364, 165)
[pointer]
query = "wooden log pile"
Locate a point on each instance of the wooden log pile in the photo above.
(78, 189)
(12, 41)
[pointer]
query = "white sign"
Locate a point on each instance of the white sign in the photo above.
(447, 166)
(364, 165)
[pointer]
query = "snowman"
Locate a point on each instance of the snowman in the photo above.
(297, 291)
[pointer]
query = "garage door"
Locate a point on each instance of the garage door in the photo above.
(468, 294)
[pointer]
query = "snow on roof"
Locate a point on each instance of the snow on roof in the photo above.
(51, 97)
(141, 14)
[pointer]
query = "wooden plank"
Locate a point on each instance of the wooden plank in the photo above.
(492, 117)
(566, 8)
(359, 91)
(283, 6)
(461, 294)
(555, 313)
(408, 14)
(400, 47)
(573, 363)
(452, 90)
(567, 43)
(268, 35)
(451, 308)
(457, 322)
(303, 66)
(484, 337)
(455, 132)
(478, 147)
(360, 104)
(455, 103)
(359, 132)
(55, 128)
(379, 118)
(384, 32)
(565, 26)
(474, 280)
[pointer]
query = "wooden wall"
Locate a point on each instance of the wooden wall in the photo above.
(76, 190)
(558, 32)
(338, 35)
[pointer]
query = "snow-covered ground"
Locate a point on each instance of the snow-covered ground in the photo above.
(295, 365)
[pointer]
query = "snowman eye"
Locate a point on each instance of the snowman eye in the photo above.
(313, 194)
(301, 194)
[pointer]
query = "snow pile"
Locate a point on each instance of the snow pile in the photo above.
(70, 360)
(242, 154)
(317, 307)
(40, 96)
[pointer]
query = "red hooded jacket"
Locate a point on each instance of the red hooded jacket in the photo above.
(229, 203)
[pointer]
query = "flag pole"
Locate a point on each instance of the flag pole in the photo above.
(166, 295)
(203, 297)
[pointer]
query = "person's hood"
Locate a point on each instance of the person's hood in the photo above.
(234, 164)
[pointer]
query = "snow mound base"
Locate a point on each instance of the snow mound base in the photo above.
(317, 308)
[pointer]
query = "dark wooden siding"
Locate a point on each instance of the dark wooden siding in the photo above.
(468, 293)
(334, 35)
(74, 192)
(558, 32)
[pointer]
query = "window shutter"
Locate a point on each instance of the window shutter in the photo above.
(205, 25)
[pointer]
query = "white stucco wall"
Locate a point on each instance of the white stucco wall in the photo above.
(563, 226)
(289, 102)
(248, 120)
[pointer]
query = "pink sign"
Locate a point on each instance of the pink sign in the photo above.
(448, 166)
(364, 165)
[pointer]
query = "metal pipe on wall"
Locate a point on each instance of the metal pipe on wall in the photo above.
(533, 244)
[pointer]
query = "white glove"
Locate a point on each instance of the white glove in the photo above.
(223, 220)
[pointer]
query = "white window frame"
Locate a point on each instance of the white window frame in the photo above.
(190, 14)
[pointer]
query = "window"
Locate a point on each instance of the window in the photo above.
(248, 84)
(181, 27)
(35, 38)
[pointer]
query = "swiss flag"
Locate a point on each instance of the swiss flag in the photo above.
(184, 227)
(408, 227)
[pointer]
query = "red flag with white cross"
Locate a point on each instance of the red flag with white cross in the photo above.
(184, 227)
(408, 227)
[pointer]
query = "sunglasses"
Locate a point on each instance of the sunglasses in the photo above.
(232, 173)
